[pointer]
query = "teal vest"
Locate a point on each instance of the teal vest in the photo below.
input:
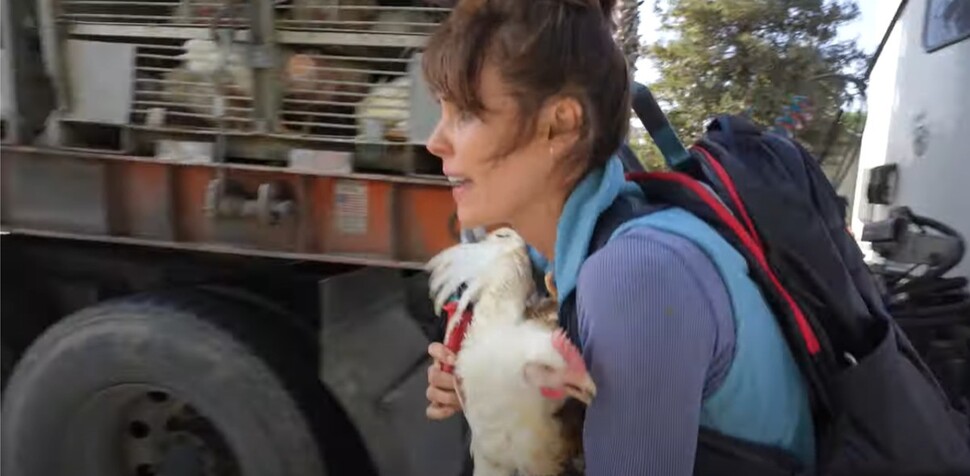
(763, 397)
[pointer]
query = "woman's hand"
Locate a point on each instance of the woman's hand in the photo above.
(441, 385)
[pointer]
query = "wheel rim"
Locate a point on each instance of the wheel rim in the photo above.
(144, 430)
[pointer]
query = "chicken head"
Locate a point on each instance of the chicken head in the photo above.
(561, 377)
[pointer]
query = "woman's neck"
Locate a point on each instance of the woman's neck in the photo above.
(538, 225)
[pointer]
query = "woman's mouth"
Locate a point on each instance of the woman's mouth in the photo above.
(459, 185)
(457, 181)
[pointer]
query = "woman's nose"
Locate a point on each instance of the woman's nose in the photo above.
(439, 143)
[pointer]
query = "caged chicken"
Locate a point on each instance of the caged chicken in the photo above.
(523, 382)
(320, 93)
(193, 83)
(383, 114)
(333, 14)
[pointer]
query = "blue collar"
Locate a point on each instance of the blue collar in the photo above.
(592, 195)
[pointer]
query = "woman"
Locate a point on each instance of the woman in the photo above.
(534, 101)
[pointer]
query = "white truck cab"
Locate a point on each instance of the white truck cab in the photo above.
(916, 144)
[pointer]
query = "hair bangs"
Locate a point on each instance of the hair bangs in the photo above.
(453, 58)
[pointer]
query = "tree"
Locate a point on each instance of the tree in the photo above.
(628, 25)
(754, 56)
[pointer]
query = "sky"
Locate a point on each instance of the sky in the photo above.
(867, 30)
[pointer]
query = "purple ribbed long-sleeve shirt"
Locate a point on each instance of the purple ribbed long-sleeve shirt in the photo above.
(653, 314)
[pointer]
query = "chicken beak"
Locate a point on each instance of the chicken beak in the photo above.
(582, 389)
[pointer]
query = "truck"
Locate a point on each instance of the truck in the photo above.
(215, 215)
(913, 151)
(909, 211)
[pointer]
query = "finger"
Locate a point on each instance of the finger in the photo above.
(441, 379)
(442, 397)
(436, 412)
(441, 353)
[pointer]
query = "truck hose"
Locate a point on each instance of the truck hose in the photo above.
(935, 311)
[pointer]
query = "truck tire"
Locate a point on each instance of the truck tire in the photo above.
(179, 383)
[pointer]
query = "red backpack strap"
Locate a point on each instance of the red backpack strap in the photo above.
(800, 330)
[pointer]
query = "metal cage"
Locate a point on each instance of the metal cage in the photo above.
(350, 76)
(172, 93)
(323, 74)
(83, 16)
(358, 16)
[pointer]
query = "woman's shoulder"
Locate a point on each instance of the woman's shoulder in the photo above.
(645, 252)
(663, 288)
(647, 274)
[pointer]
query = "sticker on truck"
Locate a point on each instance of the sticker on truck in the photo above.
(351, 203)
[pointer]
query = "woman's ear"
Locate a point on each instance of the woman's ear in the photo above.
(566, 118)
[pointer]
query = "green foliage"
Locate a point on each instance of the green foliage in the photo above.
(628, 24)
(645, 149)
(731, 56)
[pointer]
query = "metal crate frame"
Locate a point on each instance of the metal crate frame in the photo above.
(269, 39)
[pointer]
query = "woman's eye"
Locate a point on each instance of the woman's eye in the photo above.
(449, 110)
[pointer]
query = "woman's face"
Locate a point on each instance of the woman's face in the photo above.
(490, 185)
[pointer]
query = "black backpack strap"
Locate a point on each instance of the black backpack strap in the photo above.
(718, 454)
(799, 327)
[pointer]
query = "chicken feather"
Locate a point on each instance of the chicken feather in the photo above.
(517, 367)
(495, 272)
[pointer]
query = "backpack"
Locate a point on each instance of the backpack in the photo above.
(878, 410)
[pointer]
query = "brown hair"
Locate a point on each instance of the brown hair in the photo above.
(541, 48)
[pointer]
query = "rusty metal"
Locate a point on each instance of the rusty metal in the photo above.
(363, 219)
(268, 207)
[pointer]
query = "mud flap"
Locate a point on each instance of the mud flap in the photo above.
(374, 360)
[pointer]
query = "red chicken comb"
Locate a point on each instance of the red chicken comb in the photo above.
(568, 351)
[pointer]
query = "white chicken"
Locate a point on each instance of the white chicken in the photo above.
(386, 109)
(516, 371)
(205, 57)
(192, 84)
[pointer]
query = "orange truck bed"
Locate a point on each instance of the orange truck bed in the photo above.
(363, 219)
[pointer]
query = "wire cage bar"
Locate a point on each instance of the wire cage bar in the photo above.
(192, 86)
(359, 16)
(347, 76)
(337, 97)
(319, 74)
(180, 13)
